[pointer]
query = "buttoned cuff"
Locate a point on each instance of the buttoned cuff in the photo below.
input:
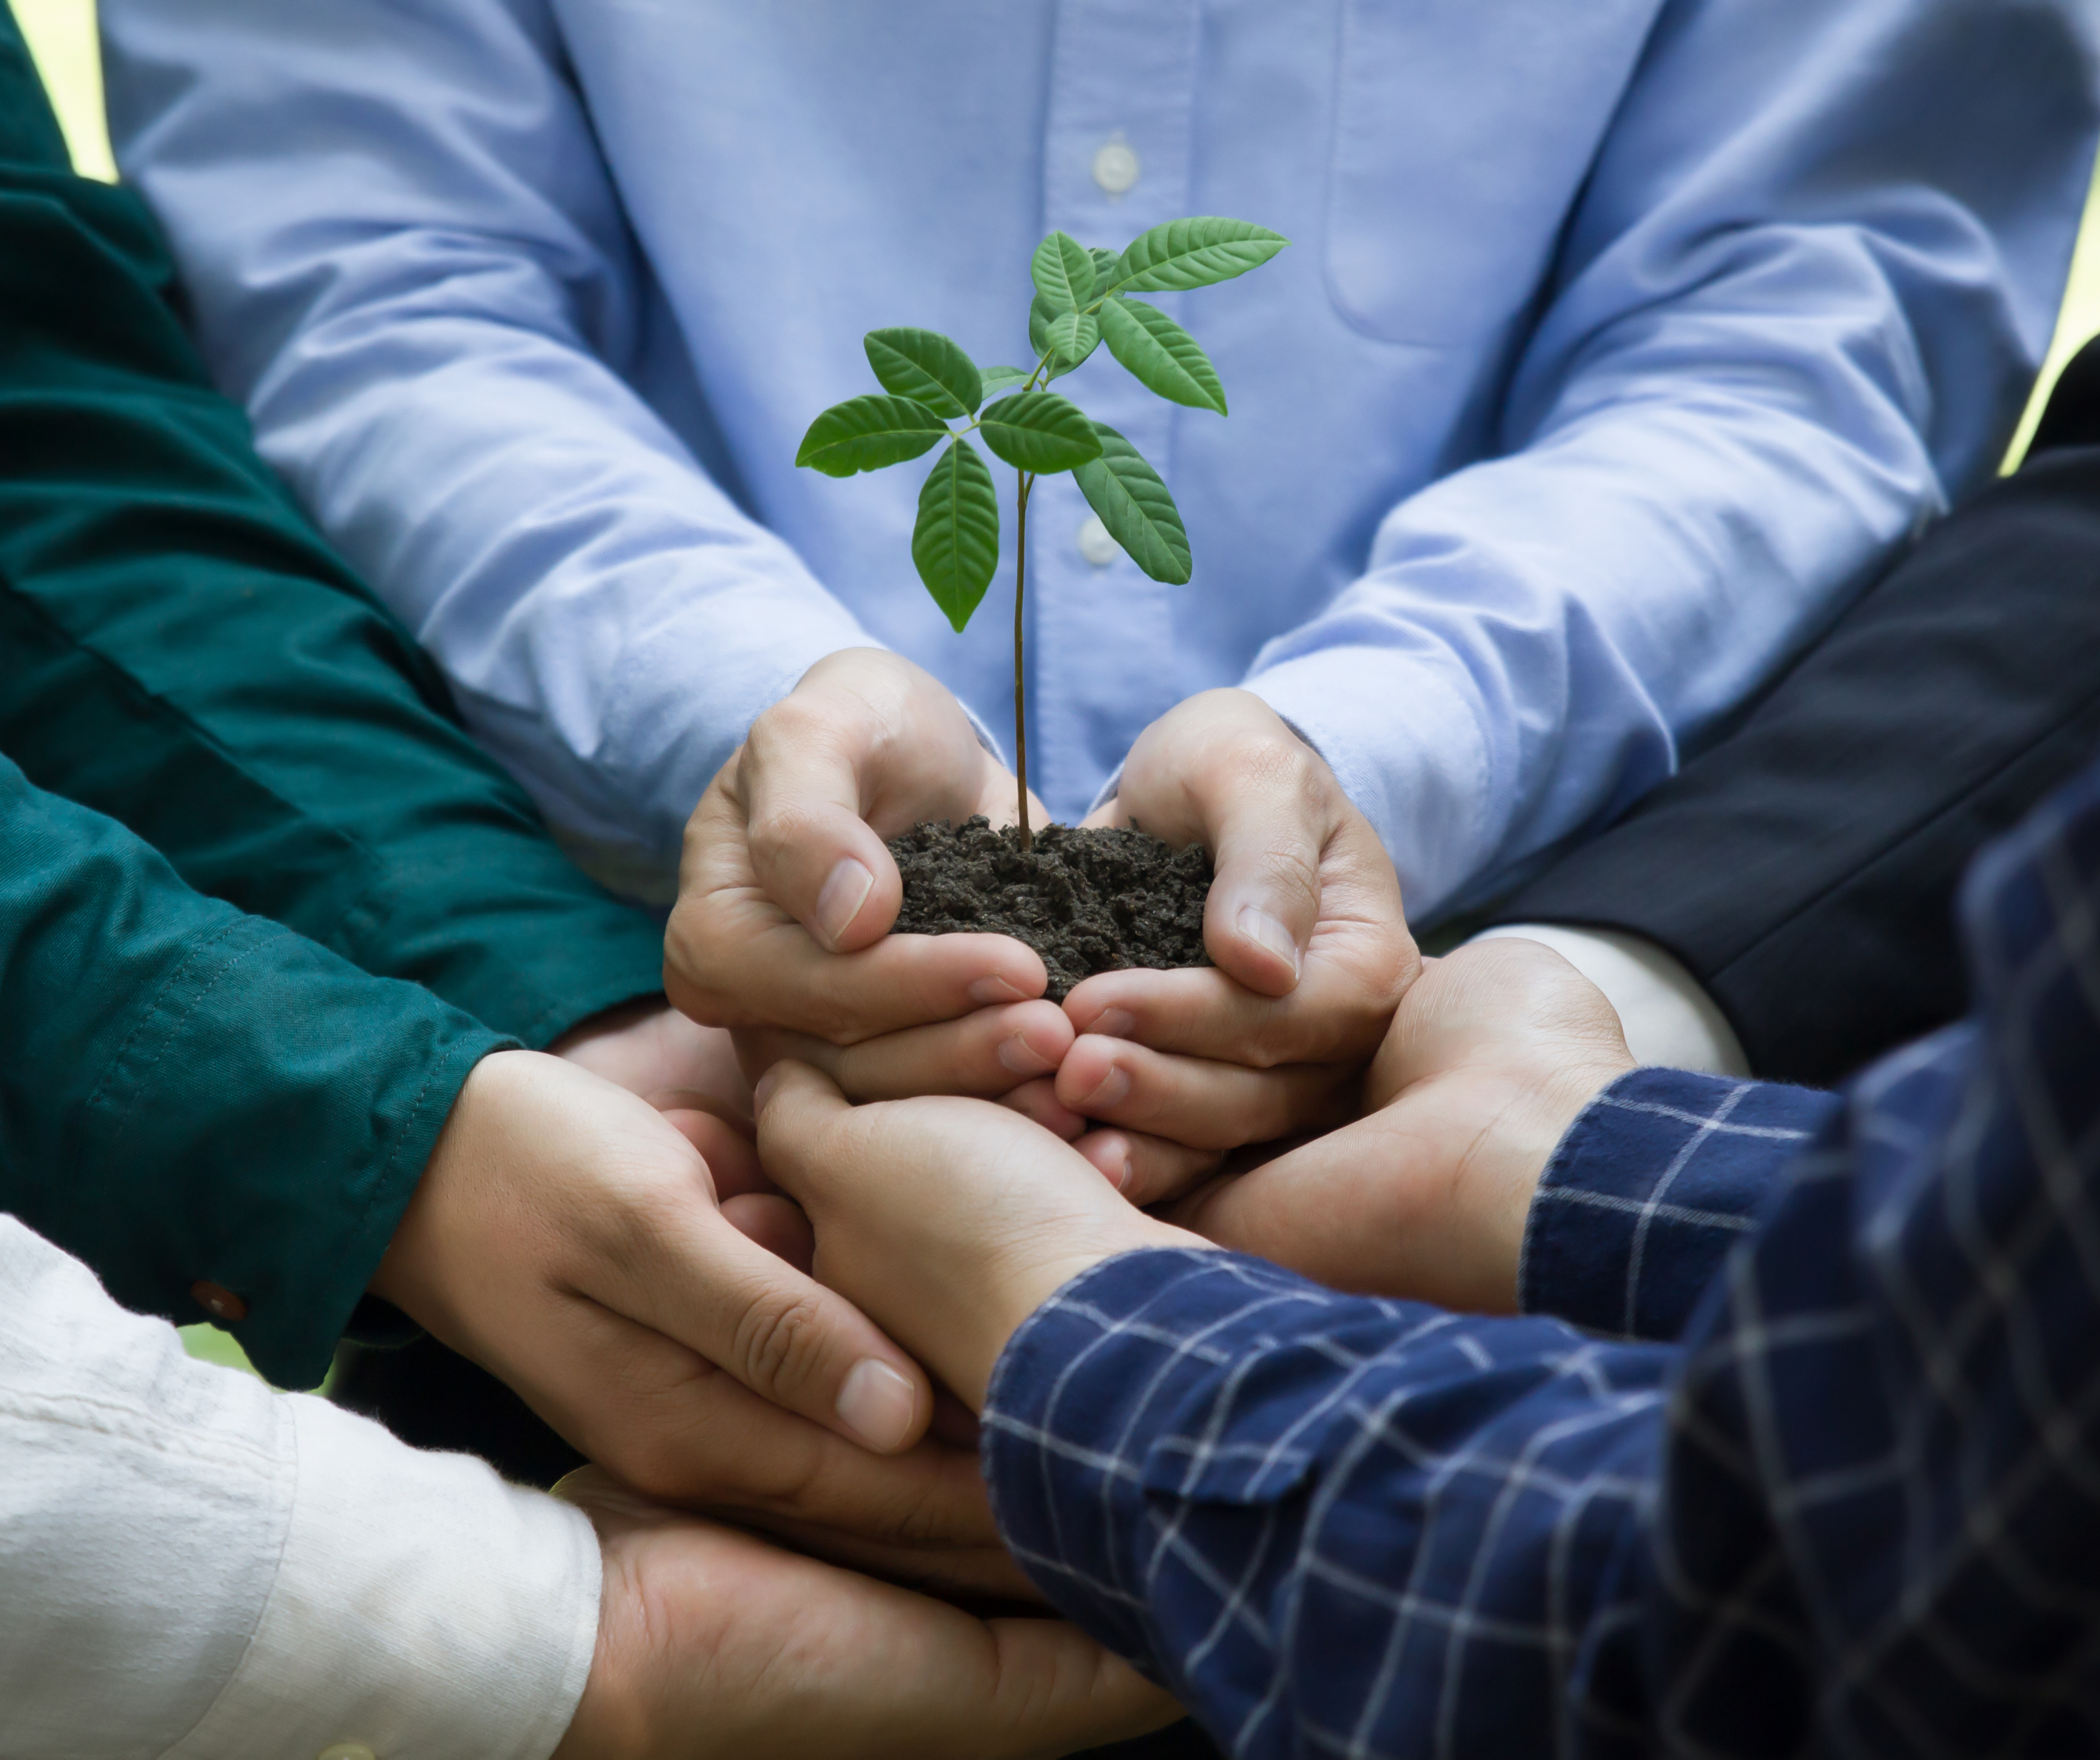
(1401, 732)
(421, 1608)
(1656, 1179)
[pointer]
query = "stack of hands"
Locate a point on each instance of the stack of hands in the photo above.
(778, 1308)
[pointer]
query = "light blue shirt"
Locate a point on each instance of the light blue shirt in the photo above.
(1620, 342)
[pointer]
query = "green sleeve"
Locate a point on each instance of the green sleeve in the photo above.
(179, 650)
(188, 1093)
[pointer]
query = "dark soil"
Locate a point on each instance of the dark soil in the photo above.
(1087, 900)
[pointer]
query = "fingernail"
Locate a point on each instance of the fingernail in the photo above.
(1017, 1054)
(1264, 931)
(877, 1404)
(1113, 1023)
(989, 990)
(1109, 1091)
(840, 902)
(1119, 1171)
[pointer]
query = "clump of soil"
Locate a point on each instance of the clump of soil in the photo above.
(1087, 900)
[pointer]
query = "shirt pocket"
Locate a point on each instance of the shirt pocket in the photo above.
(1463, 132)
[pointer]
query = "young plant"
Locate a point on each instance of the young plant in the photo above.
(1081, 300)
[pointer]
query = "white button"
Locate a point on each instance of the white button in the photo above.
(1096, 545)
(1115, 167)
(347, 1751)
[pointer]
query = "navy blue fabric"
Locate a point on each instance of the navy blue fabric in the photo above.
(1855, 1510)
(1660, 1177)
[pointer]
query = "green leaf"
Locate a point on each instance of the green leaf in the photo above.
(1161, 355)
(1063, 272)
(999, 379)
(955, 544)
(1074, 335)
(1192, 253)
(1105, 262)
(867, 433)
(1039, 431)
(1135, 506)
(925, 366)
(1040, 318)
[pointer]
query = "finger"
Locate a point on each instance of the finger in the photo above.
(985, 1054)
(1145, 1169)
(732, 1158)
(1038, 1101)
(975, 1573)
(1200, 1011)
(1195, 1101)
(678, 1429)
(775, 1223)
(688, 1273)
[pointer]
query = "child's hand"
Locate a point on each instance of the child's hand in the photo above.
(1494, 1052)
(948, 1221)
(1311, 948)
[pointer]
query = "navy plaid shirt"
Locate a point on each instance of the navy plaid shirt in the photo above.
(1837, 1492)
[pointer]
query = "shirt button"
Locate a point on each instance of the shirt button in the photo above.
(346, 1751)
(1115, 167)
(1096, 545)
(222, 1304)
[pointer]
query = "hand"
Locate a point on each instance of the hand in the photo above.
(787, 892)
(709, 1639)
(1495, 1050)
(953, 1219)
(568, 1238)
(1310, 948)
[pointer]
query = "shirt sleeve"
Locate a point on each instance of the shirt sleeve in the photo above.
(1658, 1178)
(179, 650)
(197, 1568)
(481, 256)
(1793, 317)
(192, 1095)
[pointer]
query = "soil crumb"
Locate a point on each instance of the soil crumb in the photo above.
(1087, 900)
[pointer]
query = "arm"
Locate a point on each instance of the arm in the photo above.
(194, 1566)
(430, 343)
(180, 651)
(1764, 359)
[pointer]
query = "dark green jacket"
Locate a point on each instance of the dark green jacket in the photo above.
(180, 652)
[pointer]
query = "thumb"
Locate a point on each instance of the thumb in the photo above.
(818, 858)
(1266, 836)
(795, 1106)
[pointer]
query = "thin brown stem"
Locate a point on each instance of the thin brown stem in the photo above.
(1020, 681)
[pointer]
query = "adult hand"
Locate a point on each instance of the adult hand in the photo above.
(1310, 949)
(952, 1219)
(711, 1640)
(1494, 1051)
(569, 1240)
(787, 892)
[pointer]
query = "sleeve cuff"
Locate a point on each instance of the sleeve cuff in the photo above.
(1658, 1178)
(420, 1606)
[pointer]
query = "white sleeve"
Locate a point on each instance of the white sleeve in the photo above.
(192, 1566)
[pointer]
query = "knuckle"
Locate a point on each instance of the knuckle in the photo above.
(780, 1342)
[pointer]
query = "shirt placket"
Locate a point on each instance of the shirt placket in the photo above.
(1116, 159)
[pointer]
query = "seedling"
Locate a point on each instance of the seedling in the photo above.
(1082, 299)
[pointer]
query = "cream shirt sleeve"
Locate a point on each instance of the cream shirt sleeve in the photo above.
(194, 1566)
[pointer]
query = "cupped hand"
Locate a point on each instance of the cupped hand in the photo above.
(953, 1220)
(1310, 948)
(1495, 1050)
(787, 892)
(712, 1641)
(568, 1238)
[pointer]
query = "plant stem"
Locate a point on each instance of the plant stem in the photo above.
(1020, 682)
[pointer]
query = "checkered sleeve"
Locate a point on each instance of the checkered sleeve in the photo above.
(1661, 1175)
(1303, 1510)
